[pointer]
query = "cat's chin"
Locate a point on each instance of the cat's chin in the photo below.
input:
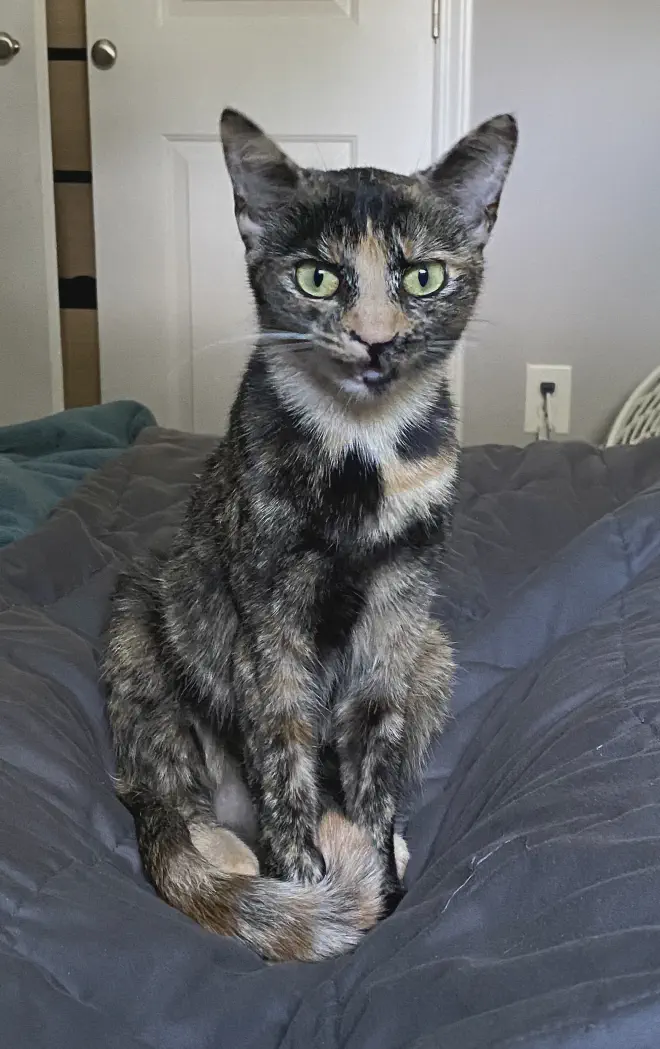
(355, 387)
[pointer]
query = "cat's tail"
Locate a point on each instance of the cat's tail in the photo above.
(194, 868)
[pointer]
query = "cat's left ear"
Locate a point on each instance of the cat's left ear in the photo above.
(472, 174)
(261, 174)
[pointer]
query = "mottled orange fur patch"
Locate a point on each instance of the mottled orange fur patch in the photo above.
(401, 476)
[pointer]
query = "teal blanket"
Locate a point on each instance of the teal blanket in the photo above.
(43, 461)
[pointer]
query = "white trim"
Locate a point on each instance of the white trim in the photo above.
(451, 114)
(453, 74)
(48, 203)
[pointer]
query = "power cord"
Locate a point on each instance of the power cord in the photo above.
(545, 429)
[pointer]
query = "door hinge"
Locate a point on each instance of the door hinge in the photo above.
(435, 19)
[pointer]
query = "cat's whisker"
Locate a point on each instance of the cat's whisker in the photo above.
(231, 340)
(322, 166)
(441, 346)
(481, 320)
(283, 336)
(451, 344)
(254, 337)
(297, 340)
(301, 344)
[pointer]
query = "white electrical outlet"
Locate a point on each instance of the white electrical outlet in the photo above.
(559, 403)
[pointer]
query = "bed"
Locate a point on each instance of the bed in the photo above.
(532, 917)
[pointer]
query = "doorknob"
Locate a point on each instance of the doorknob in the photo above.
(104, 54)
(8, 47)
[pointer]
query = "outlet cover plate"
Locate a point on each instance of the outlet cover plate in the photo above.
(559, 402)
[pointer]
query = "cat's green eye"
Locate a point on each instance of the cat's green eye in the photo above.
(316, 280)
(425, 278)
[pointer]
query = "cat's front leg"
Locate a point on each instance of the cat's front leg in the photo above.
(275, 689)
(393, 700)
(371, 739)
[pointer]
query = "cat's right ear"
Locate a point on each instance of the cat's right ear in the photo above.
(261, 174)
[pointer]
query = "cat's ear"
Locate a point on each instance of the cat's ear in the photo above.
(472, 174)
(261, 174)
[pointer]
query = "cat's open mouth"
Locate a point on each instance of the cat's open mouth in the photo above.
(375, 377)
(368, 381)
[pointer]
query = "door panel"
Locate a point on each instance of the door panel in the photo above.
(336, 82)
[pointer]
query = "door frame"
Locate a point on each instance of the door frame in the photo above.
(48, 206)
(452, 118)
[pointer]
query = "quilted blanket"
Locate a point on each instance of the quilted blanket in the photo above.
(43, 460)
(532, 917)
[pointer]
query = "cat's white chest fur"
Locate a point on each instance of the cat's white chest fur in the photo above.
(413, 487)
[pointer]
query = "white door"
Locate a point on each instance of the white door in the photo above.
(337, 82)
(30, 356)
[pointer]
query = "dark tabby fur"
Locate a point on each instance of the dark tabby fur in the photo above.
(285, 642)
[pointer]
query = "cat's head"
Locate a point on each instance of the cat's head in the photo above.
(373, 275)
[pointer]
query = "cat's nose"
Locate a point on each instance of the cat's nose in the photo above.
(374, 349)
(379, 370)
(377, 349)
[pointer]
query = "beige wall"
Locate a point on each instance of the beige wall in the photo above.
(575, 259)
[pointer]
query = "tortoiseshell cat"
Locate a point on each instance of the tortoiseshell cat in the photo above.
(276, 679)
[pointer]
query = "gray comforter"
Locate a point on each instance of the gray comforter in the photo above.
(533, 912)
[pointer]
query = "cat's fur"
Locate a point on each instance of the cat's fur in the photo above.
(285, 641)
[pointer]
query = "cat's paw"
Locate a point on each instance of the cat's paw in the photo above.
(224, 850)
(393, 896)
(401, 855)
(396, 861)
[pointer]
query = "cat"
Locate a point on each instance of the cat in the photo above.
(276, 678)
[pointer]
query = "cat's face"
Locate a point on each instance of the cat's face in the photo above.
(362, 277)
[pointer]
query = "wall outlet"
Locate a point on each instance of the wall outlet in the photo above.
(559, 403)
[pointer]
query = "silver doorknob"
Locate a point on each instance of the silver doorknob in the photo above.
(8, 47)
(104, 54)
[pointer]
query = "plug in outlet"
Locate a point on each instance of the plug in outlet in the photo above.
(559, 403)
